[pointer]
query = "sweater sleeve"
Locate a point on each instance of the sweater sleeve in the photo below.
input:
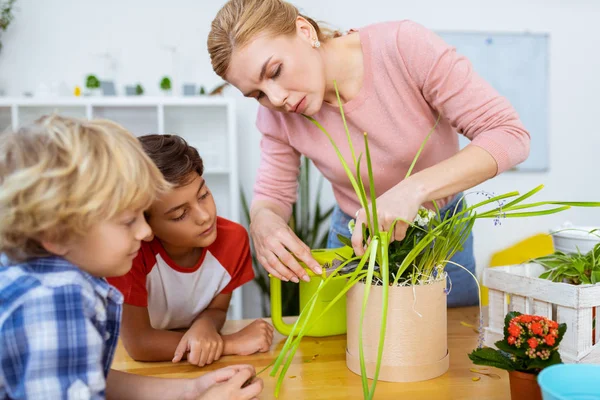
(451, 86)
(277, 178)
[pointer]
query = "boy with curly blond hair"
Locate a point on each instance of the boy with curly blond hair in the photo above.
(72, 196)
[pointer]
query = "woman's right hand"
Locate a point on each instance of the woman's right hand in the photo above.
(276, 245)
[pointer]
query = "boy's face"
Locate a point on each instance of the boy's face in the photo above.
(109, 248)
(186, 216)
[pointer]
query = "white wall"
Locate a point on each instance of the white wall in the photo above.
(60, 40)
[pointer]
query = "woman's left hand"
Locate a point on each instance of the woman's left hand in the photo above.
(402, 201)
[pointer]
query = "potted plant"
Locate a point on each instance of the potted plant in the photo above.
(408, 276)
(139, 90)
(6, 16)
(573, 268)
(165, 85)
(92, 83)
(530, 344)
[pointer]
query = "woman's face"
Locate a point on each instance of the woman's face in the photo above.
(284, 73)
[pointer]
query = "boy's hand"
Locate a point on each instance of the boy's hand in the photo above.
(224, 384)
(256, 337)
(203, 342)
(233, 383)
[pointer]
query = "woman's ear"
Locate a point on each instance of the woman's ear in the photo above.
(305, 29)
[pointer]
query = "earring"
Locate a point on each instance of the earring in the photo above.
(316, 44)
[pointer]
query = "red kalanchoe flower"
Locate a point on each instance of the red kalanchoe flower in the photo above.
(514, 330)
(512, 340)
(536, 328)
(532, 342)
(549, 339)
(554, 332)
(525, 318)
(553, 324)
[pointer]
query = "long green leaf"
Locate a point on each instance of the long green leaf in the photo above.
(339, 100)
(414, 161)
(525, 196)
(363, 197)
(339, 154)
(368, 283)
(385, 239)
(375, 224)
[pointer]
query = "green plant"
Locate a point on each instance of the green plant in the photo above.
(307, 222)
(530, 344)
(202, 91)
(139, 90)
(92, 82)
(424, 262)
(6, 16)
(573, 268)
(165, 83)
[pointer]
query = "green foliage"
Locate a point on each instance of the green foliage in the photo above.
(165, 83)
(6, 15)
(573, 268)
(92, 82)
(139, 90)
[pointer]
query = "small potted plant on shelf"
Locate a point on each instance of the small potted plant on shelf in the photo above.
(6, 16)
(165, 85)
(139, 90)
(92, 83)
(530, 344)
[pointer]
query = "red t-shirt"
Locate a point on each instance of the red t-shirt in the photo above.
(175, 295)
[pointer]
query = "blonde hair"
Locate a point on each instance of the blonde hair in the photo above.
(61, 176)
(239, 21)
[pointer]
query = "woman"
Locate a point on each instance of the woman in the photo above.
(394, 79)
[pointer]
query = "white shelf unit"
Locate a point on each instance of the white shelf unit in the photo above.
(207, 123)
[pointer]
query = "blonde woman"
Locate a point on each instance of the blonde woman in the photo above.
(394, 79)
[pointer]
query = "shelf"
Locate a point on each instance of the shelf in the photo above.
(121, 101)
(5, 119)
(28, 114)
(140, 120)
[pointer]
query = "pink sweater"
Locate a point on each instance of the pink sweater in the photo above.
(410, 74)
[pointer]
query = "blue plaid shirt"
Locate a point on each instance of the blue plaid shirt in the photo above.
(59, 328)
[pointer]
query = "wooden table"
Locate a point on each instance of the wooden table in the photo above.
(319, 369)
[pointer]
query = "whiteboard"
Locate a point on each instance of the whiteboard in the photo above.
(516, 65)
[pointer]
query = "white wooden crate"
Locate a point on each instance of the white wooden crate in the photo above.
(571, 304)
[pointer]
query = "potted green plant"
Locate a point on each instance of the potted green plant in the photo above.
(573, 268)
(6, 16)
(139, 90)
(92, 83)
(165, 85)
(418, 271)
(530, 344)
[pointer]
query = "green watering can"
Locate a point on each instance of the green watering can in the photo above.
(331, 323)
